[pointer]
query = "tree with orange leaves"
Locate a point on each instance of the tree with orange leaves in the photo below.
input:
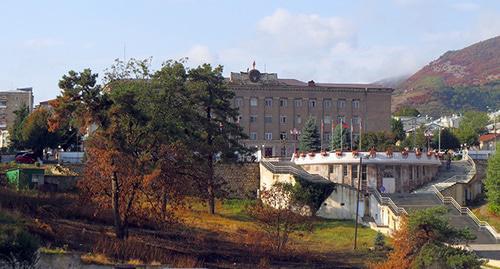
(424, 240)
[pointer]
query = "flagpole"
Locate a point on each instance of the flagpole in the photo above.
(341, 132)
(351, 134)
(360, 134)
(321, 137)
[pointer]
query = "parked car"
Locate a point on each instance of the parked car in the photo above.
(26, 158)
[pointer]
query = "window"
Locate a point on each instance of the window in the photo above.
(238, 102)
(298, 102)
(253, 101)
(388, 171)
(327, 120)
(354, 171)
(363, 172)
(355, 104)
(355, 120)
(282, 119)
(298, 119)
(327, 103)
(283, 102)
(253, 136)
(341, 103)
(3, 103)
(268, 119)
(253, 118)
(283, 136)
(330, 168)
(344, 170)
(411, 172)
(268, 136)
(269, 102)
(312, 103)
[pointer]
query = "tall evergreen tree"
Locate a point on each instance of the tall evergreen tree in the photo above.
(448, 139)
(217, 134)
(309, 140)
(338, 132)
(492, 183)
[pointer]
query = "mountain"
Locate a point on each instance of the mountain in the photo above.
(458, 80)
(393, 82)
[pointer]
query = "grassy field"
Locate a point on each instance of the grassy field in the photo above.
(483, 214)
(231, 220)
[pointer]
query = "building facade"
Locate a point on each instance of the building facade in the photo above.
(273, 111)
(12, 100)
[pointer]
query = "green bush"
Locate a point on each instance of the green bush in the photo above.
(379, 241)
(18, 248)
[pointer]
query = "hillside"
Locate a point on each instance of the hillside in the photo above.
(463, 79)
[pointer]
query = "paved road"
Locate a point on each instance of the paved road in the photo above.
(457, 168)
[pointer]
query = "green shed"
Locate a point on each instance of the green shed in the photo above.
(25, 178)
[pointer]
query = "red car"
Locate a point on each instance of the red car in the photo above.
(26, 158)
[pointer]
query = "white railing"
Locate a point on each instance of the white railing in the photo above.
(466, 211)
(388, 201)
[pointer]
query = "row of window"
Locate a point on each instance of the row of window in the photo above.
(268, 102)
(298, 119)
(284, 136)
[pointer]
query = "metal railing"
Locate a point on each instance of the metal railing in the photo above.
(388, 202)
(466, 211)
(288, 169)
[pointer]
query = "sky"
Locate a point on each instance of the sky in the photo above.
(324, 41)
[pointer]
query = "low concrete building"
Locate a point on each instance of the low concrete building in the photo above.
(379, 172)
(489, 141)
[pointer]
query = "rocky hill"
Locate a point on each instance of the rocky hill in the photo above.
(458, 80)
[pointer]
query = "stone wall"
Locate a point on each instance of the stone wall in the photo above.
(242, 180)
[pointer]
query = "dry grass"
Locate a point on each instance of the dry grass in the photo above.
(97, 258)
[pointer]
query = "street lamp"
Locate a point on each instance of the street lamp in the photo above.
(360, 171)
(295, 134)
(415, 131)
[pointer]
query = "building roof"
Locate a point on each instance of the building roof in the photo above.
(296, 82)
(488, 137)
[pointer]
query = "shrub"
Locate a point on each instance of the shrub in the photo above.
(18, 248)
(379, 241)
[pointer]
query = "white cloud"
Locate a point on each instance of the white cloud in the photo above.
(46, 42)
(287, 31)
(199, 54)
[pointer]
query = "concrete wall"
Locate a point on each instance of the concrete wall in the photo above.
(341, 204)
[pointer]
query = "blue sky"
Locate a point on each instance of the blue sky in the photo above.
(328, 41)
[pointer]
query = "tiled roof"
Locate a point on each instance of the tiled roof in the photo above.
(488, 137)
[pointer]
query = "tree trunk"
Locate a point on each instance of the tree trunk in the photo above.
(115, 191)
(164, 200)
(210, 186)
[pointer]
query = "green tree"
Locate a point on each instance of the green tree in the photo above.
(36, 134)
(472, 125)
(309, 140)
(338, 133)
(381, 141)
(397, 129)
(448, 139)
(425, 240)
(215, 129)
(407, 111)
(492, 182)
(15, 130)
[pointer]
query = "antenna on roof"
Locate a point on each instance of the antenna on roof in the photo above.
(253, 65)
